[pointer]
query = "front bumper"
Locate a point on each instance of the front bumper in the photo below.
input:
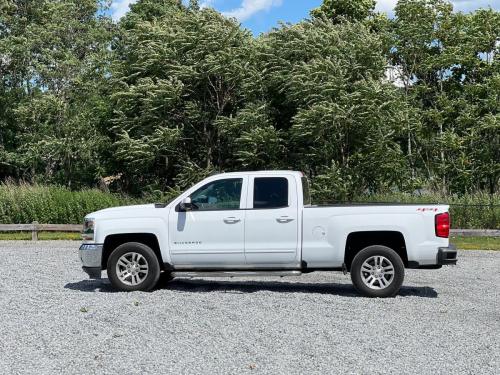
(447, 255)
(91, 256)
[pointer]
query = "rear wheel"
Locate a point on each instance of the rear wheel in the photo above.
(377, 271)
(133, 266)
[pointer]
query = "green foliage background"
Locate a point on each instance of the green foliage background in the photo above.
(172, 93)
(52, 204)
(23, 203)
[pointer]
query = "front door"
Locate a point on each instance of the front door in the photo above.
(272, 223)
(211, 234)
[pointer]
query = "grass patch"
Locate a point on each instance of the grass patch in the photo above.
(42, 236)
(476, 243)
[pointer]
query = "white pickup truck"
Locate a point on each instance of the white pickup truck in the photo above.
(263, 223)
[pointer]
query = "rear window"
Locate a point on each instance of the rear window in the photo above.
(306, 191)
(270, 192)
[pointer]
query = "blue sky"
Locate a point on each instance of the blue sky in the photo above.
(262, 15)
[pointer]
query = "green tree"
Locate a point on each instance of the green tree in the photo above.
(441, 58)
(53, 63)
(324, 84)
(194, 5)
(350, 10)
(174, 92)
(177, 75)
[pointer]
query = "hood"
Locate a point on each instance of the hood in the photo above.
(125, 211)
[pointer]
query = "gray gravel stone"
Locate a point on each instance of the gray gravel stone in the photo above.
(54, 320)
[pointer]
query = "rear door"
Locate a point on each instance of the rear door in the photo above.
(272, 222)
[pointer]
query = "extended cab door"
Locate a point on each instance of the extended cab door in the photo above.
(212, 233)
(272, 222)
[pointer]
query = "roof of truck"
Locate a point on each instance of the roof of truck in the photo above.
(300, 174)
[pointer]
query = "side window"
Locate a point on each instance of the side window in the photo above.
(306, 191)
(270, 192)
(218, 195)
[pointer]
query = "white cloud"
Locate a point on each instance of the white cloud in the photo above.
(458, 5)
(386, 6)
(120, 7)
(206, 3)
(469, 5)
(249, 7)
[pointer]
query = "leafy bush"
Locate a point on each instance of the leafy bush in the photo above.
(22, 203)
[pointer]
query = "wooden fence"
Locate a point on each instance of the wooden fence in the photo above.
(476, 232)
(34, 228)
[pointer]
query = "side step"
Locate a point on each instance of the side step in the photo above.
(235, 273)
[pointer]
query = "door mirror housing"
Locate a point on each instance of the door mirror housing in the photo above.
(186, 204)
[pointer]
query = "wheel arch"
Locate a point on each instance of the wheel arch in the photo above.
(112, 241)
(357, 241)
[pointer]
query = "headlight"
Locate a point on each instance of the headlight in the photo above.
(88, 229)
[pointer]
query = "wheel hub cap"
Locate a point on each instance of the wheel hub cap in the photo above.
(132, 268)
(377, 272)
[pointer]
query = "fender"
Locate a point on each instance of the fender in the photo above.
(151, 225)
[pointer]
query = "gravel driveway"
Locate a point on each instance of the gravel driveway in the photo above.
(54, 320)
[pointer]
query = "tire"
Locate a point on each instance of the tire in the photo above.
(133, 266)
(377, 271)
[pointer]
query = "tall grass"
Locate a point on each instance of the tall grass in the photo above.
(472, 211)
(22, 203)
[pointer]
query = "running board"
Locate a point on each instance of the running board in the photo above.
(235, 273)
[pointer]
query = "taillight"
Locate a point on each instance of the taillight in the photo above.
(442, 225)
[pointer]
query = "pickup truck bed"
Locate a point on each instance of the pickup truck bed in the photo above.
(329, 231)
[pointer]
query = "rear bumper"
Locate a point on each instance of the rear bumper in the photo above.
(447, 255)
(91, 256)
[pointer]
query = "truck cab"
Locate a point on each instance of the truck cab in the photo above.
(254, 223)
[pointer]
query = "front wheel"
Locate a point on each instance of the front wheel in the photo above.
(132, 267)
(377, 271)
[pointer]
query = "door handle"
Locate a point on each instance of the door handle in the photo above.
(284, 219)
(231, 220)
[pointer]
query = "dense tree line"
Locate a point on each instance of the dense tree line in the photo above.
(360, 102)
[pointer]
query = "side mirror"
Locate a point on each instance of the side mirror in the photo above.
(186, 204)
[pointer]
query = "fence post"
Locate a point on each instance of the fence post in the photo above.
(34, 231)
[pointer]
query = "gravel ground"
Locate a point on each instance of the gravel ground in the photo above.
(54, 320)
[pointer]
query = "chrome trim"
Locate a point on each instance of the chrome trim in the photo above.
(91, 254)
